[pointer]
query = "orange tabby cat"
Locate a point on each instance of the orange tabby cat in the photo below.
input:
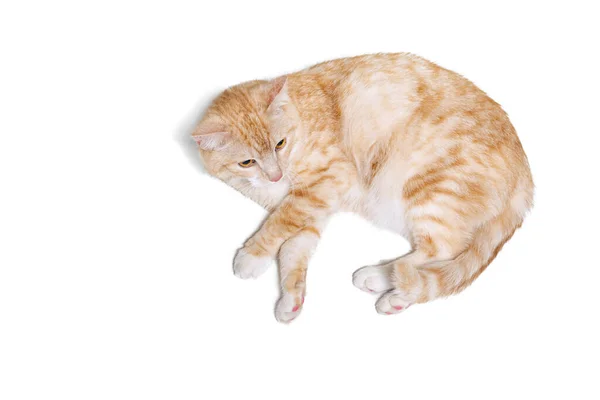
(411, 146)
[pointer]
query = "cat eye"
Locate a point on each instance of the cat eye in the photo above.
(247, 163)
(280, 145)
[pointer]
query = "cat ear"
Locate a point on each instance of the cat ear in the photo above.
(210, 136)
(277, 86)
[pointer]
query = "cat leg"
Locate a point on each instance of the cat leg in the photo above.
(285, 222)
(317, 193)
(431, 243)
(294, 256)
(250, 264)
(308, 206)
(448, 261)
(259, 251)
(380, 278)
(375, 278)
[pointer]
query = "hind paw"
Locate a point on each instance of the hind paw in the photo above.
(393, 302)
(372, 279)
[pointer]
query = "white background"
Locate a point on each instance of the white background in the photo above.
(116, 249)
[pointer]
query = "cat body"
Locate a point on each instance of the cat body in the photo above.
(410, 146)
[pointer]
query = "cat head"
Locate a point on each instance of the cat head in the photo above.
(248, 134)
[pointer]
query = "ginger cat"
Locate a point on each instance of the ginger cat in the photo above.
(409, 145)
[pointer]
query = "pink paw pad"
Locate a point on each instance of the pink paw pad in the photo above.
(297, 306)
(399, 308)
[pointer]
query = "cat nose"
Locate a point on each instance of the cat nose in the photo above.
(275, 177)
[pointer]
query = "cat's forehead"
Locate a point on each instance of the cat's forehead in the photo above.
(250, 129)
(243, 109)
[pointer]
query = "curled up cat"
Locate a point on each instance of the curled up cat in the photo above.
(410, 146)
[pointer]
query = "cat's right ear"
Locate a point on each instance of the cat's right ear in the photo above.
(276, 87)
(210, 136)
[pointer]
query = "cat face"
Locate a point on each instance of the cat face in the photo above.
(248, 134)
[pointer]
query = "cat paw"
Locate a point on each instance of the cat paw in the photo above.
(246, 265)
(393, 302)
(373, 279)
(288, 308)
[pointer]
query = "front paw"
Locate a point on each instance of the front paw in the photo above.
(246, 265)
(288, 307)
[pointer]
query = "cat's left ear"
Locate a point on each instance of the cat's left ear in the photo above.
(210, 135)
(276, 87)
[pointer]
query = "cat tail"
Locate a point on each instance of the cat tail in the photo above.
(444, 278)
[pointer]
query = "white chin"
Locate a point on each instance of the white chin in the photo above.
(258, 183)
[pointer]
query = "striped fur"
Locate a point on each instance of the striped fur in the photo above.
(407, 144)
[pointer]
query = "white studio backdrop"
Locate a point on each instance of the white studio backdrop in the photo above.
(116, 249)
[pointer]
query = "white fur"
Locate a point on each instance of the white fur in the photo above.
(246, 265)
(373, 279)
(284, 307)
(268, 194)
(299, 246)
(382, 204)
(394, 298)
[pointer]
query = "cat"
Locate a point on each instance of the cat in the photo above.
(409, 145)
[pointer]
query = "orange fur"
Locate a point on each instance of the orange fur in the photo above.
(409, 145)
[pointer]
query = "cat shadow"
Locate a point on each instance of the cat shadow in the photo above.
(182, 133)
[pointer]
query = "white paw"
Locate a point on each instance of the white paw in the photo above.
(288, 308)
(374, 279)
(394, 302)
(246, 265)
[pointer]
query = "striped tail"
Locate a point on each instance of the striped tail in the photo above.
(444, 278)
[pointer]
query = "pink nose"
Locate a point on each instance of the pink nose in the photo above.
(276, 178)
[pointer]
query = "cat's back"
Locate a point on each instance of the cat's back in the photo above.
(399, 101)
(378, 96)
(381, 92)
(386, 90)
(398, 114)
